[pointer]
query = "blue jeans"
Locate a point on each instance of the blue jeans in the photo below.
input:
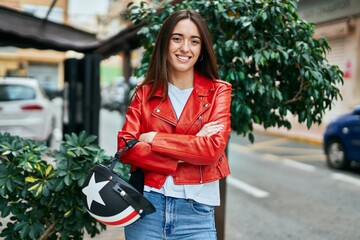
(174, 219)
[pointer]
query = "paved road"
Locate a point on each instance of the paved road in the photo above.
(281, 189)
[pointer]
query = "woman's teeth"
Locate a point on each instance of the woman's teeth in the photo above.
(183, 58)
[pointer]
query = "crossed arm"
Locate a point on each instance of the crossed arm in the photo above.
(207, 130)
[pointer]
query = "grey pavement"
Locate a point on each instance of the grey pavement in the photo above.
(111, 233)
(298, 132)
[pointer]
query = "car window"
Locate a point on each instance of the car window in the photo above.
(16, 92)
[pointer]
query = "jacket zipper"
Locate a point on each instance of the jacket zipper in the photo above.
(200, 123)
(163, 119)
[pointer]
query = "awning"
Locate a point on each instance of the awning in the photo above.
(26, 31)
(125, 40)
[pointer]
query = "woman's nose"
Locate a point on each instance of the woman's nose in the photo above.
(185, 46)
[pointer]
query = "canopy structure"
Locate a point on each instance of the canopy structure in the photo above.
(23, 30)
(125, 40)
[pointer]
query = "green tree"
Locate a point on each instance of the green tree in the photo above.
(266, 52)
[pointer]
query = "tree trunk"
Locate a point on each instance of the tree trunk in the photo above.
(50, 230)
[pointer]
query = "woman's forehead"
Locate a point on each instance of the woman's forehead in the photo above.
(186, 26)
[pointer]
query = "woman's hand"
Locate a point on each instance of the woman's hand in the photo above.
(147, 137)
(210, 129)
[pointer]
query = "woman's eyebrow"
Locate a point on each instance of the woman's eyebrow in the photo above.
(182, 35)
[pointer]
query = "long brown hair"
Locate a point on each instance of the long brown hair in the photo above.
(158, 70)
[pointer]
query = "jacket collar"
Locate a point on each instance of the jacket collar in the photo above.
(203, 86)
(196, 105)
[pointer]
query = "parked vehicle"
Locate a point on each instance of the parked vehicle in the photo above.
(342, 140)
(25, 109)
(116, 96)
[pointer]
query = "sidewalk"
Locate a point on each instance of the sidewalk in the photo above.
(111, 233)
(298, 132)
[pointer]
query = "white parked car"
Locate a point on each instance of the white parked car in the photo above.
(25, 109)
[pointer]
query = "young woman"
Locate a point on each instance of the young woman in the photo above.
(180, 114)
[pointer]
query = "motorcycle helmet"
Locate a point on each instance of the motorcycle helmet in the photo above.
(111, 200)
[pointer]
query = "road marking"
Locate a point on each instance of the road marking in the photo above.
(345, 178)
(256, 192)
(239, 148)
(299, 165)
(270, 157)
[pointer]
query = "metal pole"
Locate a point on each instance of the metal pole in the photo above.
(220, 212)
(220, 216)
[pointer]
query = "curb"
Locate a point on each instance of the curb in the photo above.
(301, 136)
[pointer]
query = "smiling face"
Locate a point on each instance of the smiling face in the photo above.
(184, 47)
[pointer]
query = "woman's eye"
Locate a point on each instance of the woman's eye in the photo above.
(195, 42)
(176, 39)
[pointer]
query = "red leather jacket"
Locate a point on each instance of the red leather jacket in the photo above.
(202, 158)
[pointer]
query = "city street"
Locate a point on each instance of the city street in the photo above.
(278, 189)
(281, 189)
(297, 60)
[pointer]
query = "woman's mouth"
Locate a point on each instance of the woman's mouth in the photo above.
(183, 58)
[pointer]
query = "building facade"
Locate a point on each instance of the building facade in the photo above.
(338, 21)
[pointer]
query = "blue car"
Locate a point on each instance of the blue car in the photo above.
(342, 140)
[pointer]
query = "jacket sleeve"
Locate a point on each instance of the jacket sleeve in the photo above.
(141, 154)
(200, 150)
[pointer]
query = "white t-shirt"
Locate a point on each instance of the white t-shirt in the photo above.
(206, 193)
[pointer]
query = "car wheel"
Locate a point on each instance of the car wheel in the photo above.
(50, 137)
(49, 140)
(336, 155)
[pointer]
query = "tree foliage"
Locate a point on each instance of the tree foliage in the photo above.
(266, 52)
(42, 201)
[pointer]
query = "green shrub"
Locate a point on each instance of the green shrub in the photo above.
(41, 200)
